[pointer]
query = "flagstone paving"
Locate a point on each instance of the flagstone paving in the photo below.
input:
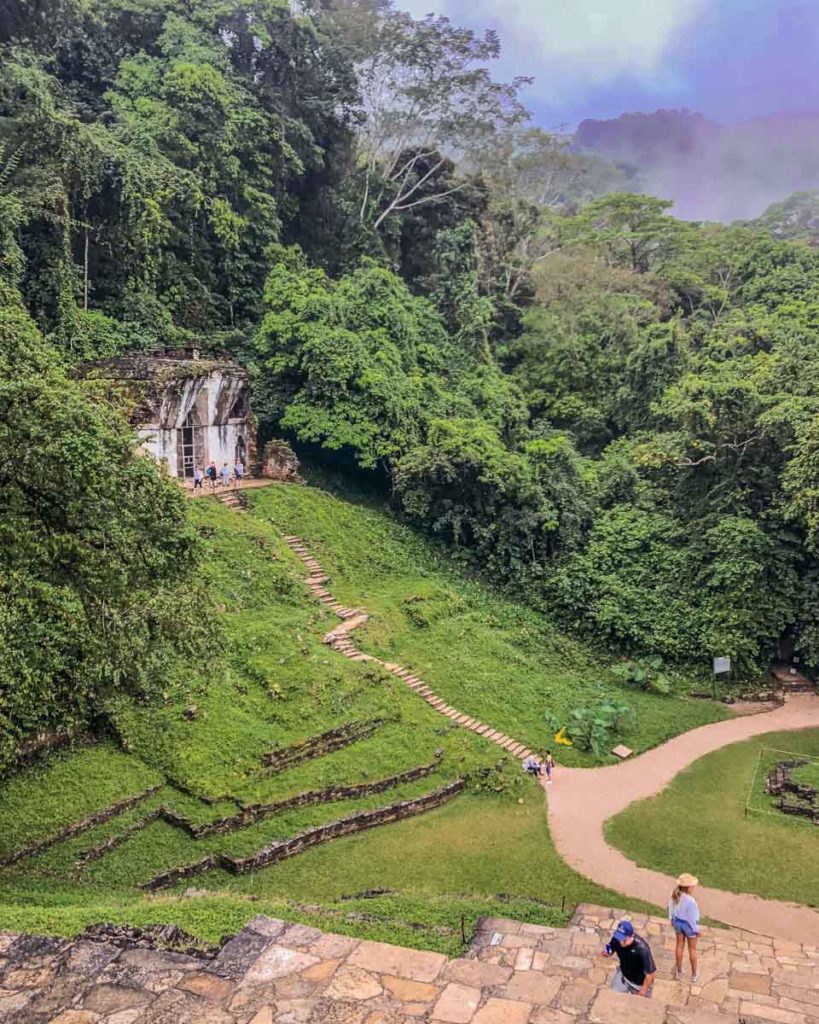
(513, 973)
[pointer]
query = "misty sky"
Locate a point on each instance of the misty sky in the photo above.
(729, 59)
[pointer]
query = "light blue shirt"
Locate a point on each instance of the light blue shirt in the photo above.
(686, 910)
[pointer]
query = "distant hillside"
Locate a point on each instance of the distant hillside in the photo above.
(796, 219)
(711, 171)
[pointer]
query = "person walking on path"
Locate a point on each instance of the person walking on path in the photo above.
(212, 473)
(635, 976)
(684, 915)
(224, 472)
(549, 766)
(198, 477)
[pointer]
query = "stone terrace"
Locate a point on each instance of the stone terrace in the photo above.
(514, 974)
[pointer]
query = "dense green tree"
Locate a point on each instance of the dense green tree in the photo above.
(96, 558)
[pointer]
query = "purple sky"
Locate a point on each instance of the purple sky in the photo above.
(730, 59)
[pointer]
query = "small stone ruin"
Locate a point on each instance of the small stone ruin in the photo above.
(795, 798)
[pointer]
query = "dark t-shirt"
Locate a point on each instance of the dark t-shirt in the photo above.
(635, 959)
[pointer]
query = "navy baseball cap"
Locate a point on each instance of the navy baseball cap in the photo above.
(624, 930)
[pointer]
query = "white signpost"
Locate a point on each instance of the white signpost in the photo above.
(722, 667)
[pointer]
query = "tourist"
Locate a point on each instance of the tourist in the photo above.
(238, 473)
(212, 473)
(684, 915)
(224, 472)
(532, 766)
(549, 765)
(635, 974)
(198, 477)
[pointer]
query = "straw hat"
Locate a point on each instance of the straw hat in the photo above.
(686, 881)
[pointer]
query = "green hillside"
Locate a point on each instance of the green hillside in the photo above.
(265, 682)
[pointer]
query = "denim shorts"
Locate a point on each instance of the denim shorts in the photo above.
(682, 927)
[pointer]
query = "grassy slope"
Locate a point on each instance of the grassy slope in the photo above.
(268, 680)
(761, 853)
(491, 658)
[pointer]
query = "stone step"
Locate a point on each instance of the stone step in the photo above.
(513, 973)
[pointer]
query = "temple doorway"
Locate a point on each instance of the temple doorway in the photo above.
(189, 446)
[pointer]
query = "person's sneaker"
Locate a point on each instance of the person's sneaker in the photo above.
(677, 973)
(695, 979)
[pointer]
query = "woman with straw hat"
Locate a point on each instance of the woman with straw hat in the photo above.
(684, 915)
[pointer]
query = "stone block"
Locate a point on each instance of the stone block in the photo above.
(409, 991)
(277, 962)
(714, 991)
(611, 1007)
(746, 982)
(533, 987)
(382, 958)
(174, 1007)
(236, 956)
(262, 1016)
(576, 996)
(675, 993)
(773, 1013)
(548, 1015)
(320, 972)
(333, 947)
(353, 983)
(457, 1004)
(217, 990)
(476, 973)
(503, 1011)
(523, 961)
(107, 999)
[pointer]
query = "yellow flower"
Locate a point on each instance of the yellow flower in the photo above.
(562, 738)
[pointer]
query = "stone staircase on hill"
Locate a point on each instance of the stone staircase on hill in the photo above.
(514, 973)
(340, 640)
(790, 681)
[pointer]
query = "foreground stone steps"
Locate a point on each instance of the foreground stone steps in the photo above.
(339, 640)
(512, 973)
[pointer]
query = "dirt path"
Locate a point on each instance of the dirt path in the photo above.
(582, 799)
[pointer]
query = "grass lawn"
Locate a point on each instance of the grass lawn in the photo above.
(699, 824)
(267, 681)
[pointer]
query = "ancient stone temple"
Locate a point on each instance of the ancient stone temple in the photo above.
(188, 409)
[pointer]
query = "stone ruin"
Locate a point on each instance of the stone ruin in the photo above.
(188, 410)
(794, 797)
(279, 462)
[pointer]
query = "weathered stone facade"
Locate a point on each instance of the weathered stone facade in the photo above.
(188, 410)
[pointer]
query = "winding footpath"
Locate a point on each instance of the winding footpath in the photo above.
(583, 799)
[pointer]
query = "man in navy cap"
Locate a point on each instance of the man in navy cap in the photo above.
(637, 967)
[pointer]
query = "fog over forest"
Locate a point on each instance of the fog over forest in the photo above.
(711, 171)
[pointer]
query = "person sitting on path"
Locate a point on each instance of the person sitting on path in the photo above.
(549, 765)
(635, 975)
(684, 915)
(532, 766)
